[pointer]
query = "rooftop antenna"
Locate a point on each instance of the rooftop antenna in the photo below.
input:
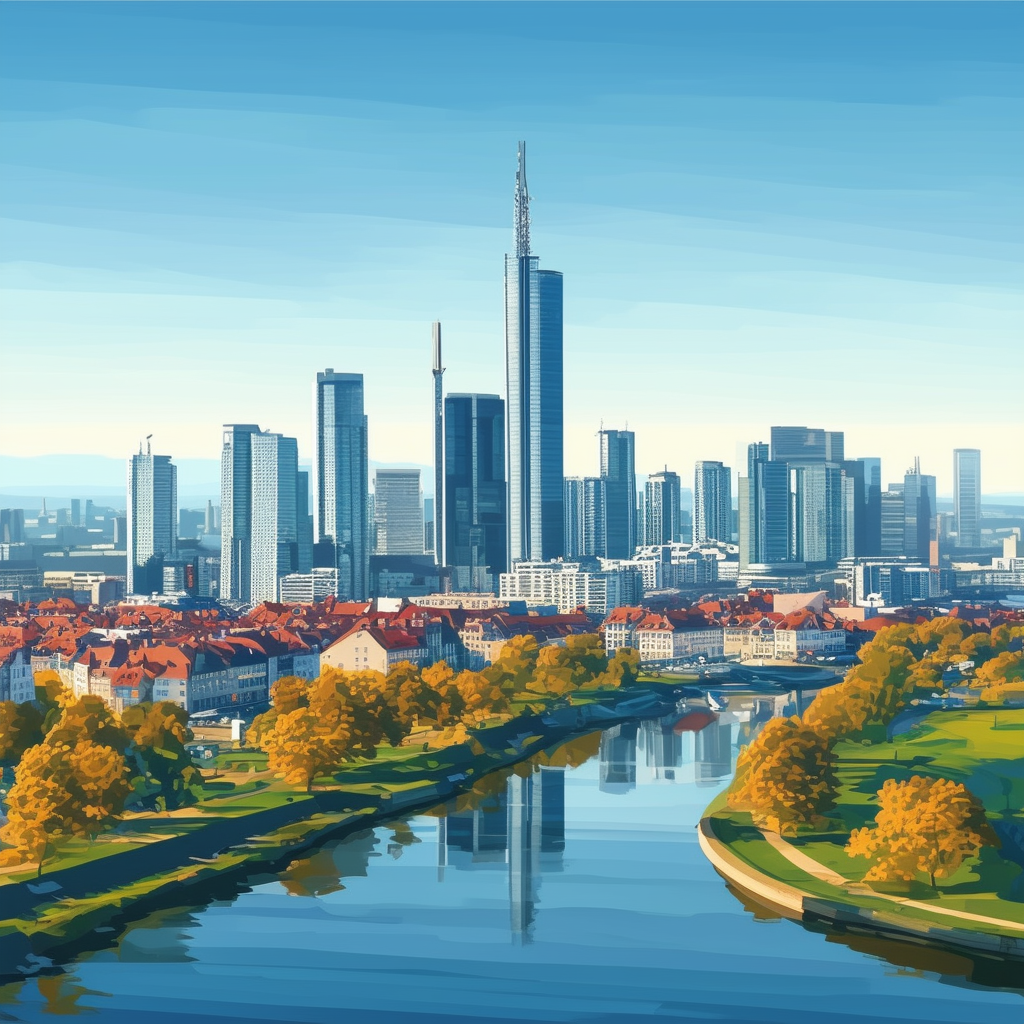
(439, 520)
(149, 449)
(521, 231)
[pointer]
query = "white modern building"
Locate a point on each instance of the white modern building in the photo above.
(568, 587)
(152, 519)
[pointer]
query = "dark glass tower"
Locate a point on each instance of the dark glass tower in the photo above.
(533, 353)
(476, 529)
(342, 484)
(618, 471)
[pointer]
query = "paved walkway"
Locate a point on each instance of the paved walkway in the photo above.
(809, 866)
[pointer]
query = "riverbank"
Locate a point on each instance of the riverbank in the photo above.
(64, 907)
(811, 878)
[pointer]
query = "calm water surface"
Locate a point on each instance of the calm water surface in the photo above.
(564, 894)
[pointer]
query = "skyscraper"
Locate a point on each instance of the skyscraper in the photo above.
(892, 525)
(918, 512)
(967, 496)
(236, 511)
(533, 353)
(712, 502)
(275, 514)
(266, 531)
(476, 530)
(341, 480)
(662, 508)
(807, 444)
(398, 512)
(863, 477)
(437, 522)
(152, 519)
(618, 471)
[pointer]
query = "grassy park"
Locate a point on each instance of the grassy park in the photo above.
(982, 748)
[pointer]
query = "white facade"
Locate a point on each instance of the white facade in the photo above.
(308, 587)
(152, 514)
(16, 680)
(361, 651)
(566, 586)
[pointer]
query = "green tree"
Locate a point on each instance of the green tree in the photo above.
(164, 774)
(21, 727)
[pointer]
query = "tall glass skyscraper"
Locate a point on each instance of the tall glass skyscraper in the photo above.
(533, 355)
(266, 531)
(276, 482)
(152, 519)
(967, 496)
(475, 502)
(712, 502)
(236, 510)
(918, 512)
(663, 523)
(398, 512)
(341, 480)
(618, 471)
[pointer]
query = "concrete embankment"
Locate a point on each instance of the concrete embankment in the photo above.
(791, 902)
(62, 907)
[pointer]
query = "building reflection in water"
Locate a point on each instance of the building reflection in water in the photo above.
(522, 826)
(618, 758)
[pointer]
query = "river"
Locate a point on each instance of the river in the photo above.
(573, 891)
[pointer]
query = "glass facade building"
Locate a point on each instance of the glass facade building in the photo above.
(534, 380)
(152, 520)
(712, 502)
(475, 505)
(618, 471)
(662, 508)
(341, 480)
(967, 496)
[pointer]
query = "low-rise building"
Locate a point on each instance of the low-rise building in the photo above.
(373, 648)
(568, 587)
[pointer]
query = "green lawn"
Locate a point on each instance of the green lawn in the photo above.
(984, 749)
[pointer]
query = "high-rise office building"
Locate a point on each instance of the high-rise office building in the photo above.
(765, 509)
(967, 496)
(807, 444)
(618, 471)
(398, 512)
(533, 352)
(152, 519)
(585, 527)
(572, 503)
(476, 529)
(712, 502)
(436, 527)
(12, 526)
(236, 511)
(274, 547)
(892, 525)
(266, 529)
(817, 512)
(918, 512)
(863, 501)
(341, 480)
(662, 511)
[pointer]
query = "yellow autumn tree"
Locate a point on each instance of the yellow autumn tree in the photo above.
(62, 791)
(1002, 676)
(305, 742)
(785, 777)
(923, 826)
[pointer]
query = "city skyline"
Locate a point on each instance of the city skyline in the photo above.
(869, 229)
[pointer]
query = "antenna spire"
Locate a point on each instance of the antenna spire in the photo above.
(521, 231)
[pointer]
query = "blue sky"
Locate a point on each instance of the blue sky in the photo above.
(764, 213)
